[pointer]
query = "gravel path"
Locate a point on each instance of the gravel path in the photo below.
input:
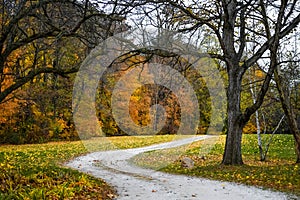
(135, 183)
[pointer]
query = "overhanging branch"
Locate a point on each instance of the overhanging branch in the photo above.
(31, 75)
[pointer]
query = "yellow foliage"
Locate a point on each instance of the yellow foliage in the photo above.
(36, 111)
(259, 74)
(249, 128)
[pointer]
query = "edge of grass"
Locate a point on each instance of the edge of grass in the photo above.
(36, 171)
(279, 172)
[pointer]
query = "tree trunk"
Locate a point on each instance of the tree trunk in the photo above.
(295, 131)
(297, 141)
(288, 109)
(233, 150)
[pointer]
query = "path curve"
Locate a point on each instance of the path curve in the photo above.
(132, 182)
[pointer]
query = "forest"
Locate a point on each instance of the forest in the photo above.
(254, 45)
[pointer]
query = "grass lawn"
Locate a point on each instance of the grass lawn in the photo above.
(35, 171)
(279, 172)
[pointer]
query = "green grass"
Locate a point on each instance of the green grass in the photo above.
(279, 172)
(35, 171)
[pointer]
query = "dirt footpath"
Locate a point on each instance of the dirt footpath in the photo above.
(135, 183)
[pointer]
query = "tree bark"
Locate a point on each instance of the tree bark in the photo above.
(297, 146)
(281, 84)
(287, 107)
(233, 150)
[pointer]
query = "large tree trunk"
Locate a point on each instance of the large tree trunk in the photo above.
(288, 109)
(233, 151)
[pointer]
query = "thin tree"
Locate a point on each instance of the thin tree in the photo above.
(289, 110)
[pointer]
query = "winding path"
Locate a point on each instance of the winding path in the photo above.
(132, 182)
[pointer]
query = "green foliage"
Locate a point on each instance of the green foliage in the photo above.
(278, 172)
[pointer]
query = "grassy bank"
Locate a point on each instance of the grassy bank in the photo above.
(35, 171)
(279, 171)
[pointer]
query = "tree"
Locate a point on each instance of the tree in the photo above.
(229, 21)
(236, 119)
(283, 85)
(42, 44)
(281, 82)
(25, 23)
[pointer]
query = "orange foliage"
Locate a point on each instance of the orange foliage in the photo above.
(7, 109)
